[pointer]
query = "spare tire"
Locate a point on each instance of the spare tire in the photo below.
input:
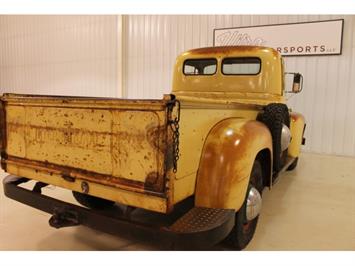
(274, 116)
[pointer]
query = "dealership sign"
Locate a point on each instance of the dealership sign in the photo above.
(306, 38)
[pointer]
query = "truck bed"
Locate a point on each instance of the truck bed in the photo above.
(118, 143)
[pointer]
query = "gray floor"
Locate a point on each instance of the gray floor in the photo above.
(311, 208)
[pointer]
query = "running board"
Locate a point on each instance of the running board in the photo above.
(198, 220)
(289, 161)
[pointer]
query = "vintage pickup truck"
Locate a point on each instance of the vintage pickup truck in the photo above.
(212, 145)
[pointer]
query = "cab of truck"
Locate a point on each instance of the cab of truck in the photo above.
(248, 73)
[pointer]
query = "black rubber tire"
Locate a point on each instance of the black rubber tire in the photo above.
(243, 231)
(274, 116)
(92, 202)
(293, 165)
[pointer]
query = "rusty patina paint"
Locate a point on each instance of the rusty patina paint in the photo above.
(3, 141)
(296, 116)
(120, 146)
(3, 135)
(126, 197)
(228, 49)
(157, 137)
(154, 182)
(226, 162)
(85, 102)
(70, 174)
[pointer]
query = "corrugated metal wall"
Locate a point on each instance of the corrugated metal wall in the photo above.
(81, 55)
(64, 55)
(328, 100)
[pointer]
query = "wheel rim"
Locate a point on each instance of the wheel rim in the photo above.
(254, 203)
(243, 230)
(252, 209)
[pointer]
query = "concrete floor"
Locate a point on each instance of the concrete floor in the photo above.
(311, 208)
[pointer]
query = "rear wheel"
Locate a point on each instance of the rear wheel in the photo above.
(92, 202)
(246, 218)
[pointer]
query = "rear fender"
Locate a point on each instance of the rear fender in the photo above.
(227, 160)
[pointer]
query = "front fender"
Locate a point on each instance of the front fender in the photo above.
(297, 127)
(227, 160)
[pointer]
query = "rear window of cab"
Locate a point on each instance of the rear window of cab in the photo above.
(230, 66)
(200, 66)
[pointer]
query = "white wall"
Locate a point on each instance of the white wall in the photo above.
(65, 55)
(328, 99)
(81, 55)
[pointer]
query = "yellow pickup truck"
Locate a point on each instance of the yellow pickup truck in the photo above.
(200, 157)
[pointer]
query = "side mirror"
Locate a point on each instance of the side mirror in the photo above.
(297, 84)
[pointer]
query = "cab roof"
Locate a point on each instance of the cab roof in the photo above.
(217, 51)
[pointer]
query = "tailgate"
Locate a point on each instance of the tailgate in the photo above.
(114, 142)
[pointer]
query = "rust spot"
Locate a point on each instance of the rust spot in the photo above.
(119, 182)
(68, 178)
(91, 140)
(296, 116)
(156, 137)
(3, 134)
(154, 182)
(229, 49)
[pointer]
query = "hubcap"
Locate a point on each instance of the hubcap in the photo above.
(285, 137)
(253, 204)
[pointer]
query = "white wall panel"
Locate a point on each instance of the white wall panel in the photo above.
(63, 55)
(328, 100)
(81, 55)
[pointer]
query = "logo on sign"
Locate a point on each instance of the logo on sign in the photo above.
(238, 38)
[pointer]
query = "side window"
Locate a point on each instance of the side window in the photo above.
(241, 66)
(200, 67)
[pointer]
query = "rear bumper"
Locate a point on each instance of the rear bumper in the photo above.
(197, 228)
